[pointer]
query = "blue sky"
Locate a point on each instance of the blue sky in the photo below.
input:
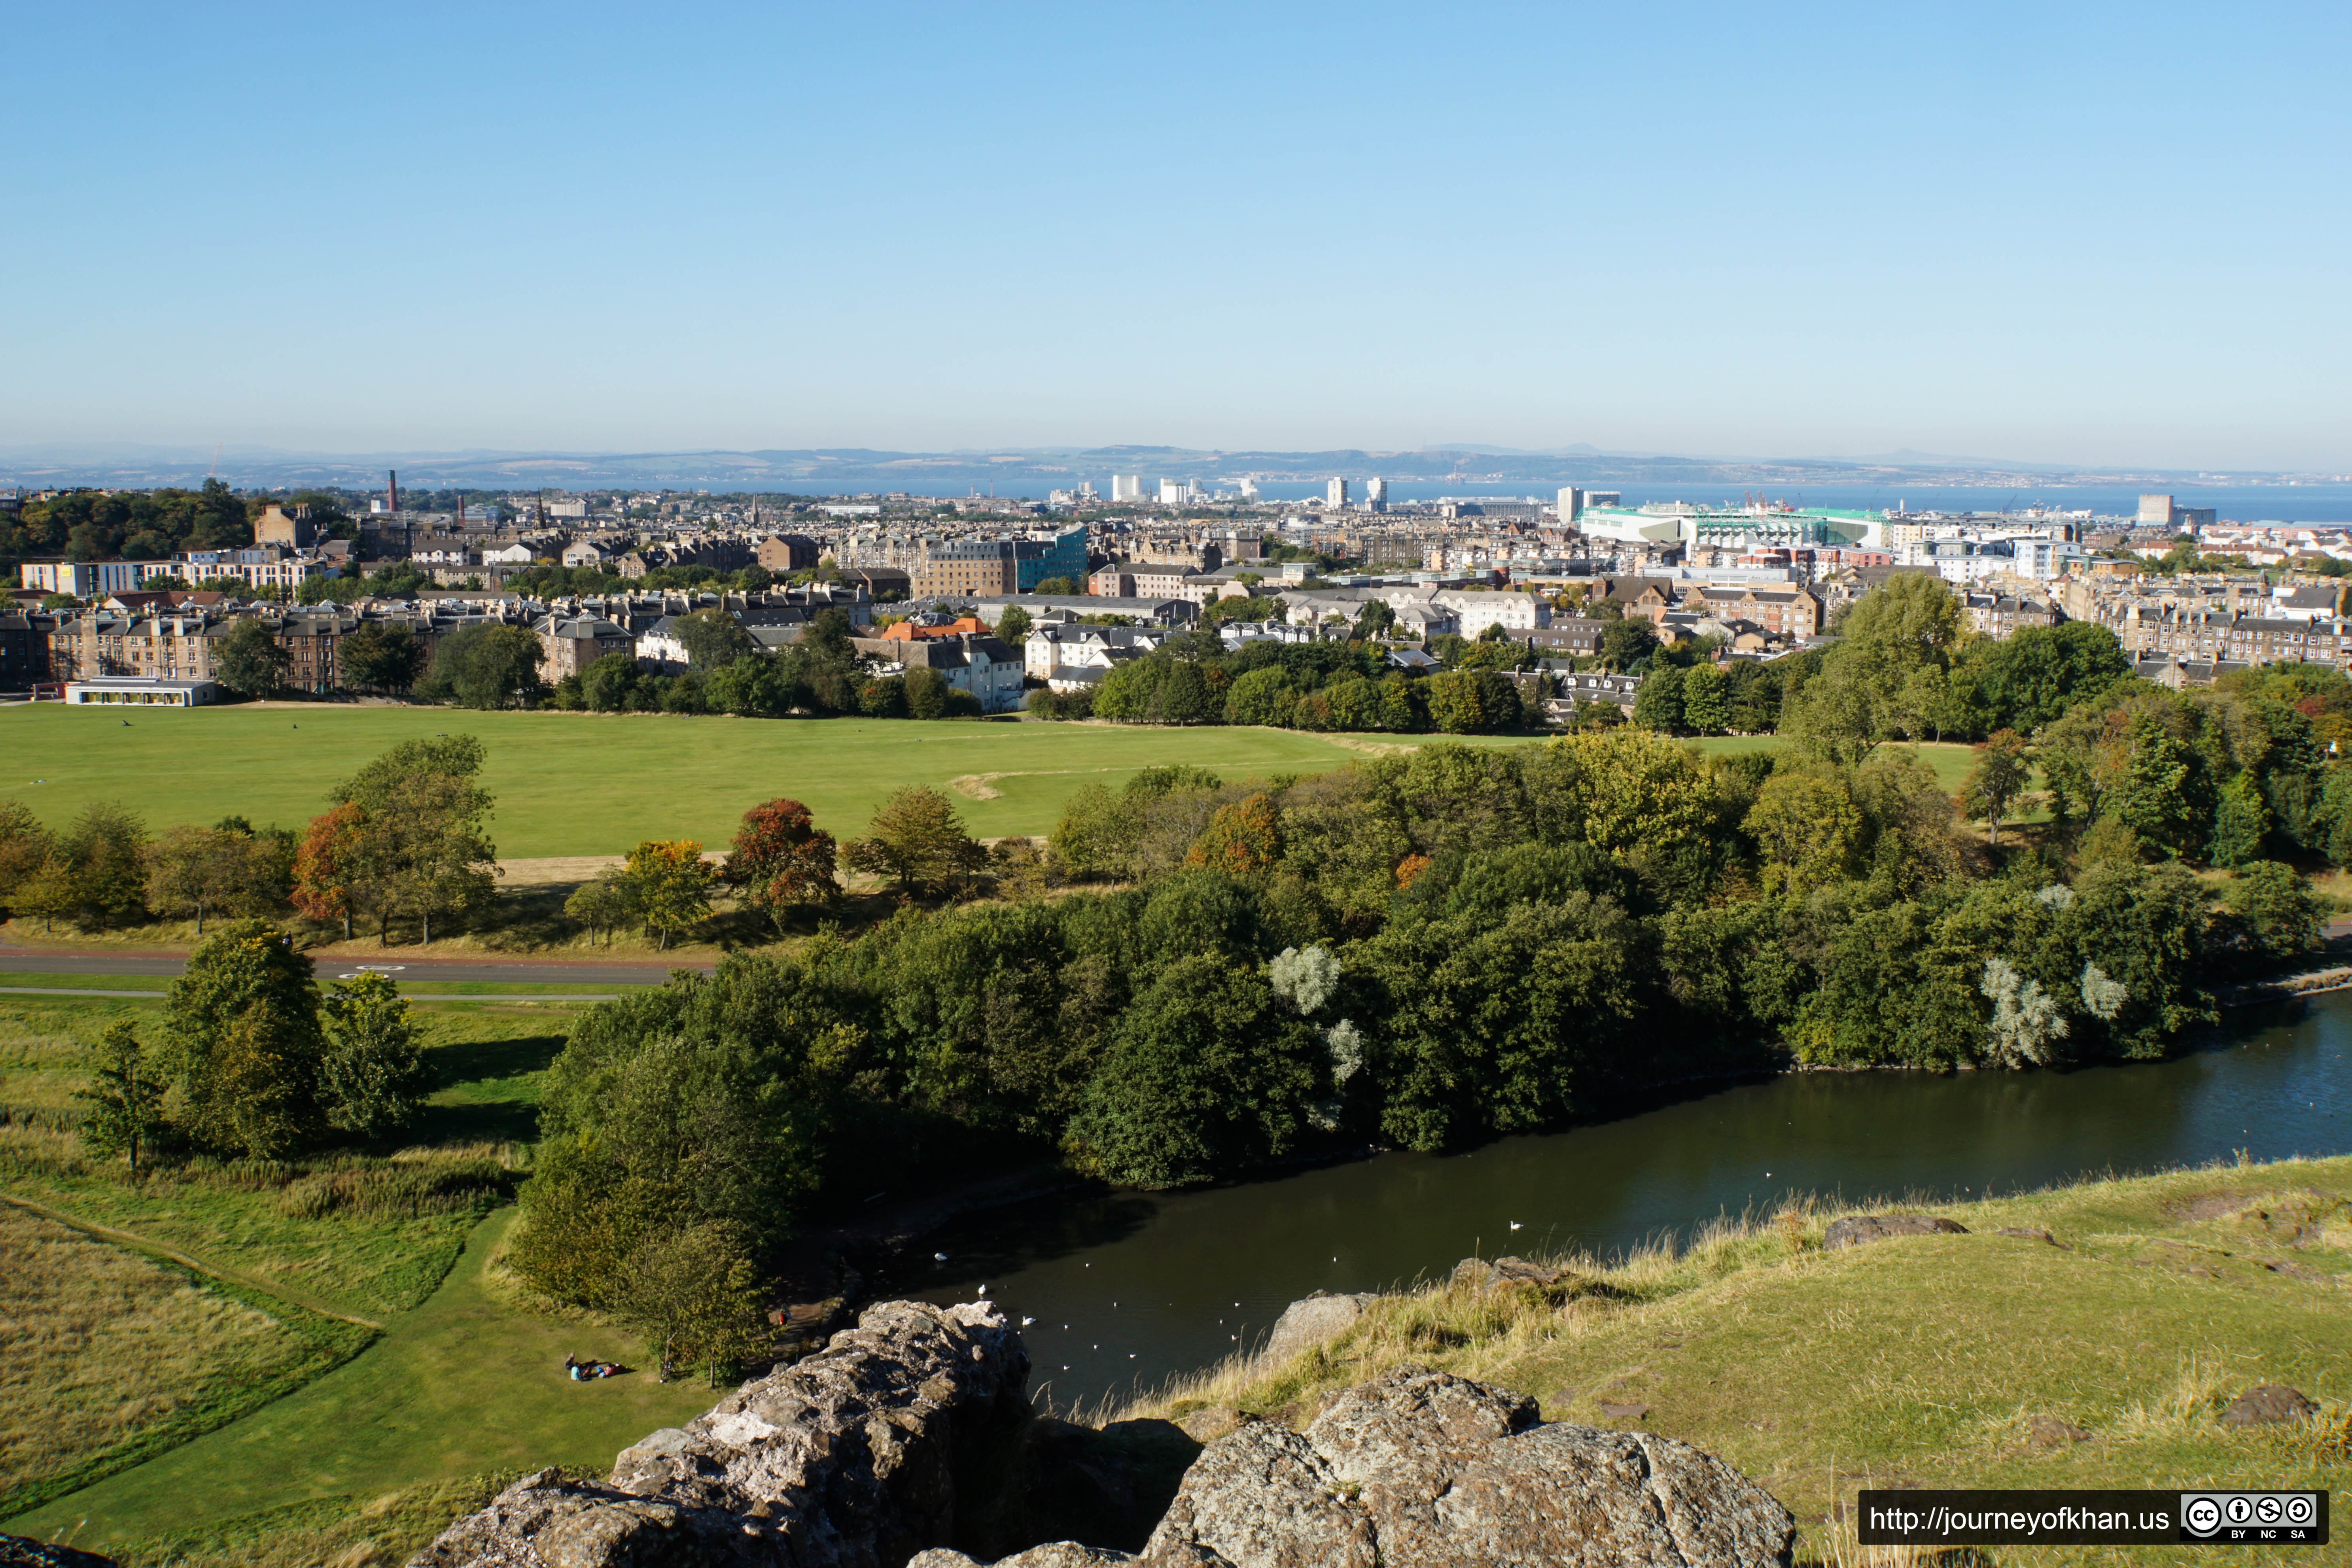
(2107, 235)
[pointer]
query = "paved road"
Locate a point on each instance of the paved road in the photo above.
(167, 965)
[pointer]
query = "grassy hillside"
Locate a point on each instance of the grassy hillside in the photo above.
(589, 783)
(2102, 1357)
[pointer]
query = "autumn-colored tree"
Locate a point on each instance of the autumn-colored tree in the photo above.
(1242, 837)
(670, 884)
(322, 869)
(782, 860)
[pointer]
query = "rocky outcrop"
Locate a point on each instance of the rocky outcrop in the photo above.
(846, 1460)
(1423, 1467)
(1855, 1230)
(1312, 1321)
(1504, 1272)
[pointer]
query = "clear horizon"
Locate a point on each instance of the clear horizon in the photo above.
(2091, 235)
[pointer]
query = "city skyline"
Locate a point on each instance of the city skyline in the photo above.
(2094, 237)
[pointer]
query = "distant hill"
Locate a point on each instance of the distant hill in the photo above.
(1009, 472)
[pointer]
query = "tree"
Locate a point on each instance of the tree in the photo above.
(1241, 838)
(712, 639)
(242, 1043)
(926, 693)
(323, 866)
(2162, 794)
(1455, 703)
(782, 860)
(249, 661)
(488, 667)
(1805, 826)
(1624, 791)
(372, 1079)
(1626, 639)
(692, 1293)
(1999, 776)
(1058, 587)
(1013, 626)
(420, 847)
(1205, 1070)
(24, 846)
(203, 869)
(2277, 914)
(381, 656)
(669, 885)
(105, 854)
(1707, 699)
(1658, 701)
(918, 840)
(605, 904)
(2241, 821)
(125, 1099)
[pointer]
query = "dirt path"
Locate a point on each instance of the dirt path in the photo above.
(156, 1248)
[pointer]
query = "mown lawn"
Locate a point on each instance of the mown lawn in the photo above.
(589, 783)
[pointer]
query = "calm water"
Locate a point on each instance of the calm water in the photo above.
(1131, 1288)
(2250, 504)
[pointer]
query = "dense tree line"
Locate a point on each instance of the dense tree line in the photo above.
(141, 525)
(1422, 950)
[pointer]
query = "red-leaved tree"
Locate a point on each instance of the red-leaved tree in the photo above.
(324, 868)
(782, 860)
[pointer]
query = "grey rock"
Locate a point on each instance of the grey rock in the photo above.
(1855, 1230)
(1313, 1320)
(846, 1460)
(1435, 1470)
(2268, 1405)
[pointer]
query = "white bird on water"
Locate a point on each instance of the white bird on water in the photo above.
(939, 1258)
(1515, 1224)
(1026, 1321)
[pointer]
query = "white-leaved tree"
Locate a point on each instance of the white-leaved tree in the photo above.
(2102, 998)
(1305, 977)
(2027, 1021)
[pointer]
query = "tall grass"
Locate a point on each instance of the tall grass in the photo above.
(107, 1355)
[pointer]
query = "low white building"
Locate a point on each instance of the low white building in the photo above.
(139, 691)
(1475, 610)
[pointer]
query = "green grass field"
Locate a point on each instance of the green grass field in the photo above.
(585, 783)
